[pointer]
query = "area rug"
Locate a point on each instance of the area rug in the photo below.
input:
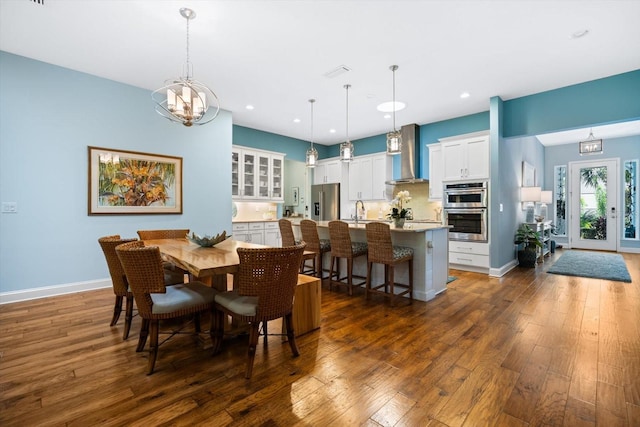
(596, 265)
(451, 279)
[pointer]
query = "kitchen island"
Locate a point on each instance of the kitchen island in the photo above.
(430, 243)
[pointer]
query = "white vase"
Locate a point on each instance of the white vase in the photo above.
(398, 222)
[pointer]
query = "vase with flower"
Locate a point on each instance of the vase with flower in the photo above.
(398, 211)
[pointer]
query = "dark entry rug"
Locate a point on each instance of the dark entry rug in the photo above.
(597, 265)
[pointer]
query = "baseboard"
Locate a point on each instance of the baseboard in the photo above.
(629, 250)
(471, 268)
(499, 272)
(51, 291)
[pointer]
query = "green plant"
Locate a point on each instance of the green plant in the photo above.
(526, 236)
(397, 211)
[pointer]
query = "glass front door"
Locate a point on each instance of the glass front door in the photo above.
(594, 206)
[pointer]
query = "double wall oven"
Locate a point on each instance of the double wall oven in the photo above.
(465, 208)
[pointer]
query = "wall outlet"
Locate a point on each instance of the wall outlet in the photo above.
(9, 207)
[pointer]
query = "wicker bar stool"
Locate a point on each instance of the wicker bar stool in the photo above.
(315, 244)
(381, 251)
(343, 247)
(288, 239)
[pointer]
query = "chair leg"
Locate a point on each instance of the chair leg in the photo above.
(153, 346)
(117, 308)
(334, 260)
(291, 336)
(217, 319)
(411, 281)
(266, 332)
(349, 275)
(212, 330)
(128, 316)
(144, 332)
(253, 343)
(367, 287)
(196, 322)
(392, 293)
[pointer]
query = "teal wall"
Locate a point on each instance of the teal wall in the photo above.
(295, 149)
(48, 116)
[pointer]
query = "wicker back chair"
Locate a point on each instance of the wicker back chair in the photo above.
(267, 279)
(145, 274)
(288, 239)
(343, 247)
(309, 231)
(178, 233)
(118, 280)
(382, 251)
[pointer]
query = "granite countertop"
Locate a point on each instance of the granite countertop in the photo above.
(409, 226)
(235, 221)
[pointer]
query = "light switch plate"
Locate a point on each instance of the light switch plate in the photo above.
(9, 207)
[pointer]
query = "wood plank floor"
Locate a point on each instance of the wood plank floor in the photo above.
(528, 349)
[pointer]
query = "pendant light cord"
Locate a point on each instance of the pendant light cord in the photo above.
(312, 101)
(347, 90)
(393, 69)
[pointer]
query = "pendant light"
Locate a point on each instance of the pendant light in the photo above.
(183, 99)
(591, 145)
(346, 148)
(312, 153)
(394, 139)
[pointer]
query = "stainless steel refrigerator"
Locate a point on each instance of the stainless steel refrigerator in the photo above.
(325, 202)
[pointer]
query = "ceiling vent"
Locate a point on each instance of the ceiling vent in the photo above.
(38, 1)
(337, 71)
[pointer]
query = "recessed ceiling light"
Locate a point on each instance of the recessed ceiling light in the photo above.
(464, 95)
(332, 131)
(249, 107)
(387, 107)
(296, 120)
(579, 33)
(387, 116)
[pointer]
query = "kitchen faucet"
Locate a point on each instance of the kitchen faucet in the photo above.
(361, 204)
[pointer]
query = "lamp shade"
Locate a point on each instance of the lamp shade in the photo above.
(546, 197)
(530, 194)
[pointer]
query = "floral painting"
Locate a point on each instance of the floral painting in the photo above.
(128, 182)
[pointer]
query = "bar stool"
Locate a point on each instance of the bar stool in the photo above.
(288, 239)
(315, 244)
(343, 247)
(381, 251)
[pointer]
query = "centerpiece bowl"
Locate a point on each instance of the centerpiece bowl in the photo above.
(208, 241)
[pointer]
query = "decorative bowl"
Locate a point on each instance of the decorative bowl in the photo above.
(208, 241)
(539, 218)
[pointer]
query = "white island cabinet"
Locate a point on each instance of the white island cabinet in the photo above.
(430, 243)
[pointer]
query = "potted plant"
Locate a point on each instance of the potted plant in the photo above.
(530, 241)
(398, 212)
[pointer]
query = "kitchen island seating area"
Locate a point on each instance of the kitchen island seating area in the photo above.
(309, 232)
(288, 239)
(342, 247)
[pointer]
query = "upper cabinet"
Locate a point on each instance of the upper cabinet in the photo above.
(466, 158)
(436, 171)
(256, 174)
(367, 176)
(327, 171)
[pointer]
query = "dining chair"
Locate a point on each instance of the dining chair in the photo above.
(144, 270)
(382, 251)
(309, 231)
(266, 283)
(343, 247)
(178, 233)
(288, 239)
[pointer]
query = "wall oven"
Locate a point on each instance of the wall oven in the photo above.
(465, 207)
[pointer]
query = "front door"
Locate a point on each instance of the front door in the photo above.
(594, 204)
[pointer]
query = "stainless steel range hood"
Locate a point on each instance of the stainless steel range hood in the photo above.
(409, 151)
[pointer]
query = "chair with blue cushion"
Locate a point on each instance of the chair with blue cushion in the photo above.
(343, 248)
(382, 251)
(266, 283)
(144, 270)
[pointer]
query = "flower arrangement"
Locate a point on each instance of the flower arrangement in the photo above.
(397, 209)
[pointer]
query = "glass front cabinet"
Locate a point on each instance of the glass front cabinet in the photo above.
(256, 174)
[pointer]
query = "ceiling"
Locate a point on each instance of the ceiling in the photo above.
(274, 54)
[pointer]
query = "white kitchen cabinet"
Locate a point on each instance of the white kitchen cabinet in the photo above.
(256, 174)
(367, 177)
(327, 171)
(272, 234)
(465, 158)
(471, 256)
(252, 232)
(435, 171)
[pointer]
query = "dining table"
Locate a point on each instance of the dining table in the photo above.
(209, 265)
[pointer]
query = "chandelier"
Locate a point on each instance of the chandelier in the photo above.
(312, 153)
(183, 99)
(394, 139)
(346, 148)
(590, 146)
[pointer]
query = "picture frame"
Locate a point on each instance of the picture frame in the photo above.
(528, 175)
(295, 192)
(157, 180)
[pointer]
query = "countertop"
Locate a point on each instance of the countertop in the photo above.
(409, 226)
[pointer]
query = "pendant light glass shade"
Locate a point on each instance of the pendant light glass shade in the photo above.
(312, 153)
(394, 139)
(346, 148)
(590, 146)
(183, 99)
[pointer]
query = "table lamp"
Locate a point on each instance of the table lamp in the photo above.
(546, 197)
(529, 196)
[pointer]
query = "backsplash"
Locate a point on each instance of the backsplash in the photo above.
(253, 211)
(420, 205)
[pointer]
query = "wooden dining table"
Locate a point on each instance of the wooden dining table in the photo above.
(207, 265)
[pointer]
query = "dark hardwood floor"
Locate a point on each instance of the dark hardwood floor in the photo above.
(528, 349)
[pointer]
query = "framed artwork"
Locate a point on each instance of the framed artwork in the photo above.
(294, 195)
(128, 182)
(528, 175)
